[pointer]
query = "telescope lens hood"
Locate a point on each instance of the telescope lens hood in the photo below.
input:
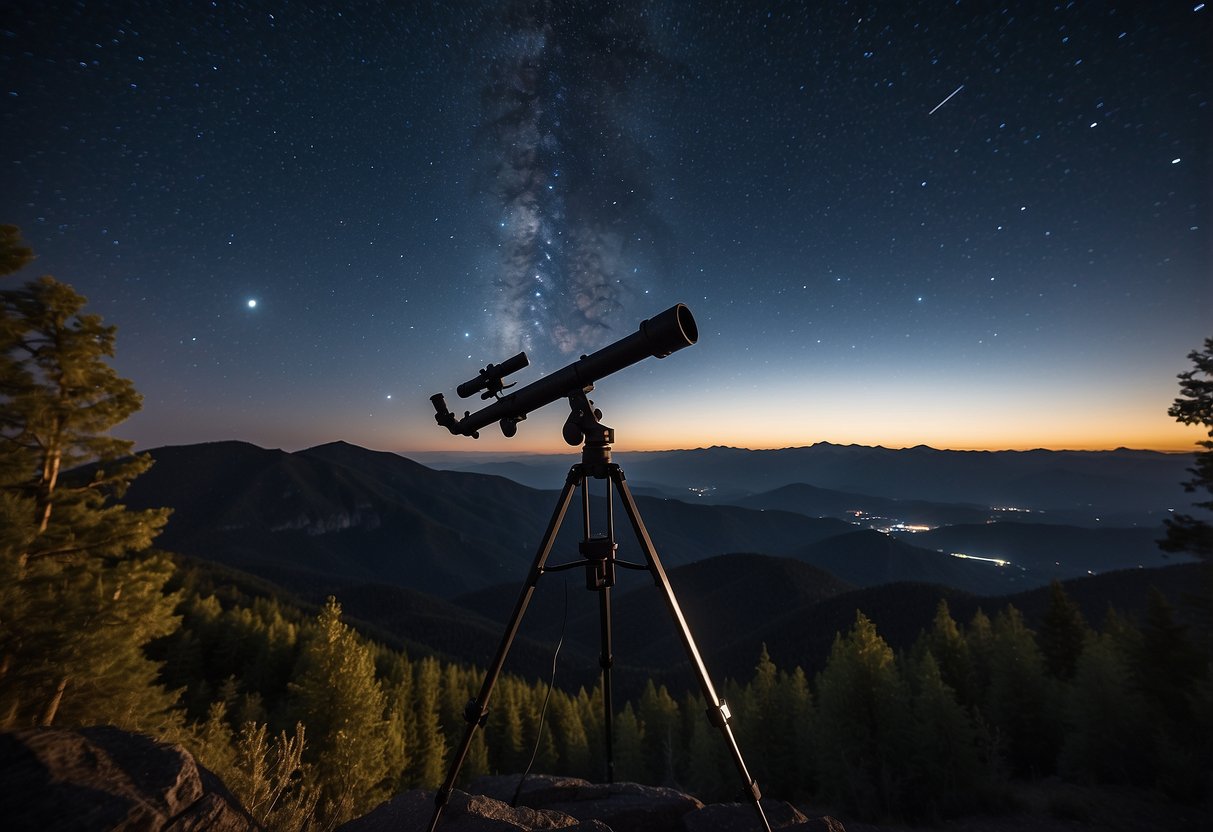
(672, 330)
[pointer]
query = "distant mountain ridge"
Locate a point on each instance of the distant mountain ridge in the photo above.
(339, 515)
(1123, 486)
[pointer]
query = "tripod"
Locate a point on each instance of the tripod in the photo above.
(599, 562)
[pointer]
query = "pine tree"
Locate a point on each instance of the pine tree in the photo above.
(505, 726)
(797, 701)
(338, 698)
(862, 724)
(60, 398)
(77, 601)
(629, 747)
(1107, 729)
(429, 744)
(1022, 703)
(1194, 406)
(14, 254)
(951, 651)
(1062, 634)
(773, 712)
(709, 771)
(397, 681)
(662, 724)
(1169, 663)
(570, 735)
(948, 768)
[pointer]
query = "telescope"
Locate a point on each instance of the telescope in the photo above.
(657, 337)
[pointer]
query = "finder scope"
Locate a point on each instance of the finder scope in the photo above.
(490, 378)
(657, 337)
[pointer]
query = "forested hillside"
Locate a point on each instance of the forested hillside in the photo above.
(941, 728)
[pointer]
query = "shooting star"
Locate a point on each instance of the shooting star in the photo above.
(946, 100)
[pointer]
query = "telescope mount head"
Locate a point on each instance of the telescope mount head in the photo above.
(583, 426)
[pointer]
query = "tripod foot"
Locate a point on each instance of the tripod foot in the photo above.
(440, 800)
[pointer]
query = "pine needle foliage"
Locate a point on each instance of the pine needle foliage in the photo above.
(78, 600)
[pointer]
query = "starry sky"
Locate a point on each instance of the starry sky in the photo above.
(950, 224)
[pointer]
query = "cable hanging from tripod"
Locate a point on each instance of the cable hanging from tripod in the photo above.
(544, 710)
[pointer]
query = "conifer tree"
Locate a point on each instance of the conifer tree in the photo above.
(709, 772)
(773, 712)
(570, 735)
(979, 638)
(660, 719)
(629, 747)
(1194, 406)
(589, 713)
(862, 724)
(397, 682)
(1169, 664)
(429, 754)
(947, 764)
(505, 727)
(77, 601)
(952, 654)
(1062, 633)
(60, 399)
(336, 695)
(796, 700)
(1022, 702)
(1107, 729)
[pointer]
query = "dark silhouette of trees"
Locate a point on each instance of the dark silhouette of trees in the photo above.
(1062, 634)
(1194, 406)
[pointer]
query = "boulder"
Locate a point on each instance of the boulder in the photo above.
(411, 812)
(106, 778)
(624, 807)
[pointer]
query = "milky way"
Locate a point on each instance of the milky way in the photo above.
(567, 178)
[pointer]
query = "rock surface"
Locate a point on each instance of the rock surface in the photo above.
(621, 806)
(631, 807)
(411, 812)
(105, 778)
(740, 817)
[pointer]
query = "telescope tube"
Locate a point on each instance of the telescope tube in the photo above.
(657, 337)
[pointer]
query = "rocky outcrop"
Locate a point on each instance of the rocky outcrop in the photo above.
(411, 812)
(621, 806)
(547, 802)
(105, 778)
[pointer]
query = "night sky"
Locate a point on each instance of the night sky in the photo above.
(939, 223)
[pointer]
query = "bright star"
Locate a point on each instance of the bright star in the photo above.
(252, 303)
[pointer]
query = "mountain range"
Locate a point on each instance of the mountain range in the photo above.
(1122, 487)
(433, 559)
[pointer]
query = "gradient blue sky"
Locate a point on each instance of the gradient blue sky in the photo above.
(1023, 264)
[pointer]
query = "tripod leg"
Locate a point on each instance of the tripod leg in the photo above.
(605, 660)
(477, 709)
(718, 711)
